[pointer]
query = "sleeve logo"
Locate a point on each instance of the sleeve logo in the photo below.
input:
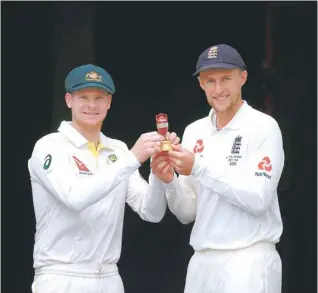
(266, 166)
(47, 162)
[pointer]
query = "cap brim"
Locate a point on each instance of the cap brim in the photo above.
(218, 65)
(92, 85)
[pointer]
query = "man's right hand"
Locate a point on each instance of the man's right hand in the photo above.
(161, 167)
(147, 145)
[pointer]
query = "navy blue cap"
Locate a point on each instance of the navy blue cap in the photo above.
(219, 56)
(89, 75)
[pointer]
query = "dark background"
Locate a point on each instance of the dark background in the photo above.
(151, 49)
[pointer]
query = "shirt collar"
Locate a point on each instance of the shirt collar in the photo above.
(236, 121)
(77, 139)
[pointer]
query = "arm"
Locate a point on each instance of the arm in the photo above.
(72, 191)
(180, 191)
(148, 200)
(181, 198)
(250, 187)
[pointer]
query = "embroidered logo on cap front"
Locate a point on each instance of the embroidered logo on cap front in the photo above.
(81, 167)
(213, 52)
(93, 76)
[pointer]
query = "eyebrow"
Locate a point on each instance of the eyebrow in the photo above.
(213, 77)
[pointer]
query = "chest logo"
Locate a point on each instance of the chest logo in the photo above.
(113, 158)
(199, 146)
(234, 157)
(81, 167)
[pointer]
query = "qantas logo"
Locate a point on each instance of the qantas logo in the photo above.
(199, 147)
(81, 167)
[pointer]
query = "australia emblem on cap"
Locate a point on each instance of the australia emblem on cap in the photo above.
(93, 76)
(213, 52)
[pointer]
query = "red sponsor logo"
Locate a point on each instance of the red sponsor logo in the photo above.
(265, 164)
(80, 165)
(199, 147)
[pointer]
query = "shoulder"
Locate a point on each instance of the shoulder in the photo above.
(49, 142)
(261, 127)
(117, 144)
(196, 126)
(261, 122)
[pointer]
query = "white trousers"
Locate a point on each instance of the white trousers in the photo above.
(256, 269)
(63, 280)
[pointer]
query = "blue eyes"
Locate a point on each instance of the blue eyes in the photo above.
(223, 79)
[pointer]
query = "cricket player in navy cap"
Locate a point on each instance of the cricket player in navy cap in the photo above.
(81, 180)
(229, 165)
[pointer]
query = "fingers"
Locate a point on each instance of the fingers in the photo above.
(177, 147)
(157, 149)
(167, 168)
(174, 138)
(160, 157)
(162, 165)
(152, 136)
(159, 163)
(175, 155)
(176, 163)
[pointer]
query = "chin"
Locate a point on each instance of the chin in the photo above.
(91, 122)
(220, 108)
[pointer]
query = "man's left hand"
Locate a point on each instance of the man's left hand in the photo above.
(181, 159)
(172, 137)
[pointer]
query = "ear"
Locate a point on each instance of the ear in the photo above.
(243, 77)
(201, 83)
(109, 100)
(68, 100)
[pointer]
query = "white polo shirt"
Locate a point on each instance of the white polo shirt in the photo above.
(79, 197)
(232, 190)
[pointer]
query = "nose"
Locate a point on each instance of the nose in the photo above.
(91, 104)
(218, 88)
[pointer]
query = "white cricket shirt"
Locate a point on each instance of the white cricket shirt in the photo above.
(79, 198)
(231, 193)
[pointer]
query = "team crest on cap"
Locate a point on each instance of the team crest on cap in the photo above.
(213, 52)
(93, 76)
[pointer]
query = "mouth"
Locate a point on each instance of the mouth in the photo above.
(91, 114)
(220, 98)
